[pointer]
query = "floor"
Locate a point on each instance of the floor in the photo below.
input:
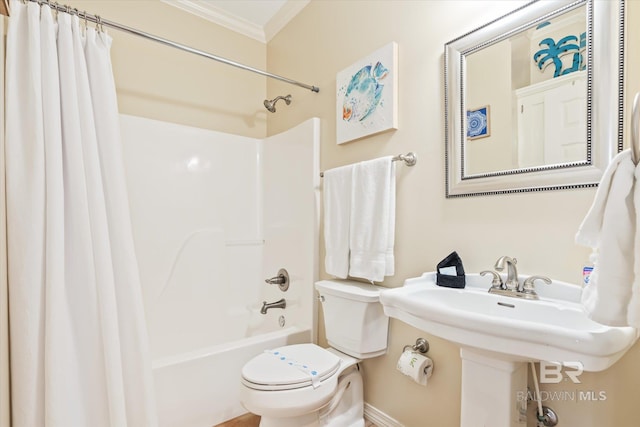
(250, 420)
(246, 420)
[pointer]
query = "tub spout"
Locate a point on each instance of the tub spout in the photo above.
(278, 304)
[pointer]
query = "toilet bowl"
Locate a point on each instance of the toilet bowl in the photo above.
(304, 385)
(285, 391)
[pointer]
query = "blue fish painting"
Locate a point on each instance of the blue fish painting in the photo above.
(367, 95)
(364, 92)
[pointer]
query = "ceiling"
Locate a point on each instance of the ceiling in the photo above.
(258, 19)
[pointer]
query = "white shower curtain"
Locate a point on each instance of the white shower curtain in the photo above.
(79, 351)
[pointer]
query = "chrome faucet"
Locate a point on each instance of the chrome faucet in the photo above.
(512, 287)
(282, 280)
(278, 280)
(528, 288)
(512, 283)
(278, 304)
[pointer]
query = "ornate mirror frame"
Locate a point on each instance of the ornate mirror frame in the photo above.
(605, 100)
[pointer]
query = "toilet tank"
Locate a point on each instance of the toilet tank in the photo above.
(354, 319)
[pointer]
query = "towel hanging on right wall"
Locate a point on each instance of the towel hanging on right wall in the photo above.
(610, 228)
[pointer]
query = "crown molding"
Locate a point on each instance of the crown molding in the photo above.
(290, 9)
(219, 16)
(212, 13)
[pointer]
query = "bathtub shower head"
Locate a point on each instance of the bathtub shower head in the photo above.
(271, 105)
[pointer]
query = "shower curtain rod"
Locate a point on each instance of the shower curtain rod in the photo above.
(105, 22)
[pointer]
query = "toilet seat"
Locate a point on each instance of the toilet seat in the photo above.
(290, 367)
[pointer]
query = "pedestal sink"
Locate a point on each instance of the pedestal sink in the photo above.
(498, 335)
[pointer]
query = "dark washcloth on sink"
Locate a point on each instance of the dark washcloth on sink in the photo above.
(451, 281)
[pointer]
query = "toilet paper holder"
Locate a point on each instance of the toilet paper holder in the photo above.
(421, 345)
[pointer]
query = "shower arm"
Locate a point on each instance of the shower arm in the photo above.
(287, 99)
(100, 22)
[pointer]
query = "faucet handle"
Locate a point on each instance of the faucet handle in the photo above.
(282, 280)
(528, 287)
(496, 282)
(278, 280)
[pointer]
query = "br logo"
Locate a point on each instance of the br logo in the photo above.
(551, 372)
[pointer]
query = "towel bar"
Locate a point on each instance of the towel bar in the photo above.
(409, 159)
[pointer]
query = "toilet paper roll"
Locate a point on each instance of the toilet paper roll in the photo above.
(415, 366)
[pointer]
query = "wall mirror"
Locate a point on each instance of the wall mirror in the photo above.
(534, 99)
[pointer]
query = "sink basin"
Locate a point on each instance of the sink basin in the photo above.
(553, 328)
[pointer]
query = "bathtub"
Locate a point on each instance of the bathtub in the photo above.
(201, 388)
(208, 232)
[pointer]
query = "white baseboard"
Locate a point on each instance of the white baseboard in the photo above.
(379, 418)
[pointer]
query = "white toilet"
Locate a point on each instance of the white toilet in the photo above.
(303, 385)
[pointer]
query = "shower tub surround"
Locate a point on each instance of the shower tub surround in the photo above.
(213, 216)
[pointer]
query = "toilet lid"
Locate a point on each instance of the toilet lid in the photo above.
(291, 366)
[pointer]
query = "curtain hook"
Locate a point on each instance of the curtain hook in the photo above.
(99, 24)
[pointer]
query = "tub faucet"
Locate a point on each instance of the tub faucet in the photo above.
(278, 304)
(512, 283)
(282, 280)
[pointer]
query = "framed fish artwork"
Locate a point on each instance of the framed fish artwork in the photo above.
(367, 95)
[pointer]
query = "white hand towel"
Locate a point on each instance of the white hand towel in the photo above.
(610, 228)
(373, 205)
(337, 215)
(633, 310)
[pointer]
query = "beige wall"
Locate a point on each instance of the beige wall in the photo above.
(492, 86)
(537, 228)
(163, 83)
